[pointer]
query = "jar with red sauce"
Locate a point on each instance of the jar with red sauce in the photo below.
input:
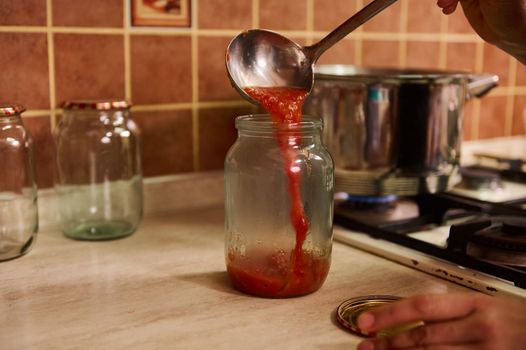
(278, 207)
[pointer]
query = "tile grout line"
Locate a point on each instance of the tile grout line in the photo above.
(87, 30)
(25, 29)
(157, 107)
(255, 14)
(358, 44)
(51, 65)
(479, 66)
(475, 119)
(381, 36)
(93, 30)
(499, 91)
(30, 113)
(310, 22)
(402, 43)
(442, 49)
(479, 56)
(358, 34)
(195, 86)
(508, 90)
(127, 51)
(188, 105)
(510, 99)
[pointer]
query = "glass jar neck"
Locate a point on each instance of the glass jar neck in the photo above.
(262, 125)
(95, 116)
(14, 119)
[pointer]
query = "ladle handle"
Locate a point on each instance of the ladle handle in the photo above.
(346, 27)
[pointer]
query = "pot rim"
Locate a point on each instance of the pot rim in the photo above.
(395, 75)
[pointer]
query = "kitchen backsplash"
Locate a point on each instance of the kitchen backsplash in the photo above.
(55, 50)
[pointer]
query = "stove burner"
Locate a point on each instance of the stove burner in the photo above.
(480, 179)
(374, 203)
(376, 210)
(436, 211)
(498, 239)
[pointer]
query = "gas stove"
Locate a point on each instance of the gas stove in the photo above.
(474, 235)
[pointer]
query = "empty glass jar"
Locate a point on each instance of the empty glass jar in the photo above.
(18, 191)
(98, 170)
(278, 207)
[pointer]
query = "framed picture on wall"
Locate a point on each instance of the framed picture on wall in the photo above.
(161, 13)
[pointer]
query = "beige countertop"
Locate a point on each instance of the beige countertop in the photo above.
(166, 287)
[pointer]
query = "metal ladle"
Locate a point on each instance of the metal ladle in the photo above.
(262, 58)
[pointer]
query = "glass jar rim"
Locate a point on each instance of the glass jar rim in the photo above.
(96, 105)
(264, 122)
(9, 110)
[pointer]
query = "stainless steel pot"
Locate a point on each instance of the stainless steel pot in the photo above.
(393, 131)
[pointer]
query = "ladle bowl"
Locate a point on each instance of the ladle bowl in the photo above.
(263, 58)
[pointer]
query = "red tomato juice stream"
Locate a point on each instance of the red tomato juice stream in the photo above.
(308, 272)
(284, 105)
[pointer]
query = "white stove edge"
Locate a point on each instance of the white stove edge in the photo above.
(509, 146)
(510, 191)
(428, 264)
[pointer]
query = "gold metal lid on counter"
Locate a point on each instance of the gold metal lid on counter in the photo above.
(348, 312)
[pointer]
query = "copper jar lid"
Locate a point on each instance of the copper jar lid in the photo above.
(7, 110)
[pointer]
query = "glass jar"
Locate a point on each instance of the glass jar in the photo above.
(278, 207)
(18, 191)
(98, 170)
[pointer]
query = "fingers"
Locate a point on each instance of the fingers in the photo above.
(456, 332)
(449, 347)
(431, 347)
(437, 307)
(448, 6)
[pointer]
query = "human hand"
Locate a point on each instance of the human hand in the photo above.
(499, 22)
(463, 321)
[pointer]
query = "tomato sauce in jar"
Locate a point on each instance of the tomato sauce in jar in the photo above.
(300, 271)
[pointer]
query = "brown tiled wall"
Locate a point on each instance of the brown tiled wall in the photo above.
(54, 50)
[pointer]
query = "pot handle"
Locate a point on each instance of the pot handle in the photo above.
(481, 84)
